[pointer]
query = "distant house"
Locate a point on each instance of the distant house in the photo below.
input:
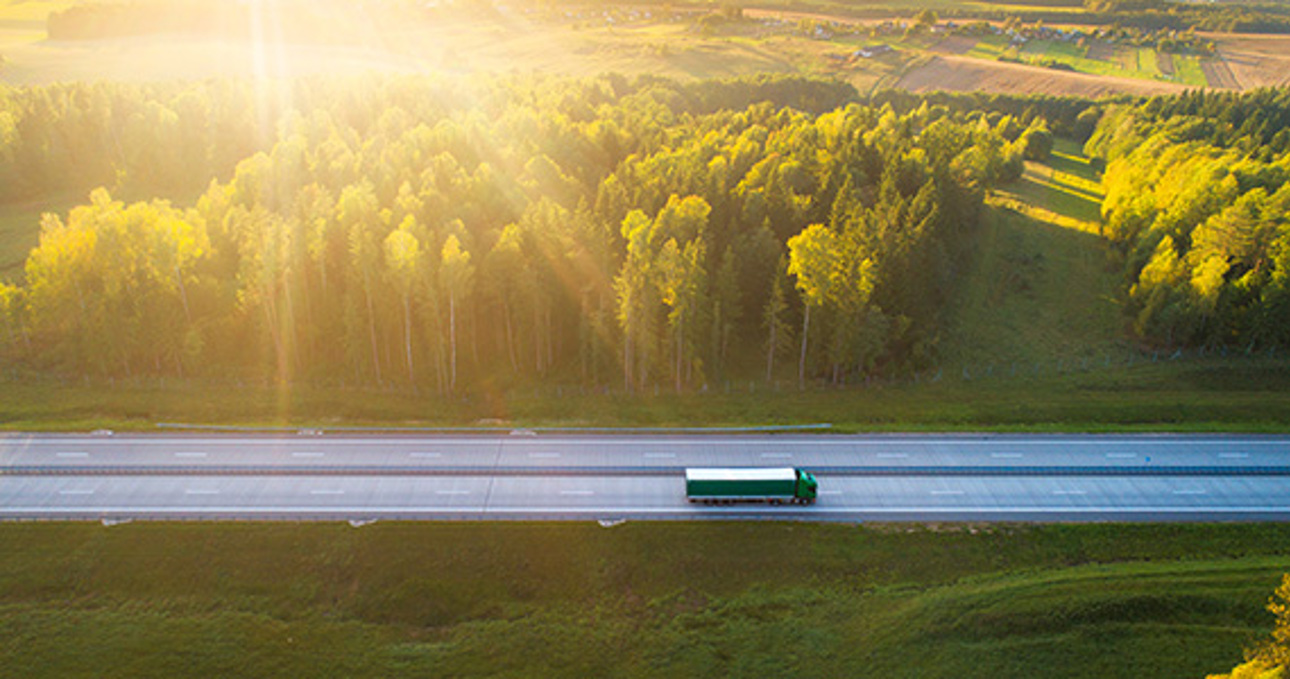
(872, 51)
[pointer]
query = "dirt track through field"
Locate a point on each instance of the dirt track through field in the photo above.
(965, 74)
(1218, 74)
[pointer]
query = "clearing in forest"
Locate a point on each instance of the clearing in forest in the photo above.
(1041, 288)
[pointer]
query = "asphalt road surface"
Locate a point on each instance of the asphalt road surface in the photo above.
(609, 478)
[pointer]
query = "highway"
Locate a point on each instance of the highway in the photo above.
(610, 478)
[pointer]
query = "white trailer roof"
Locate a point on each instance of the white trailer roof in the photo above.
(741, 474)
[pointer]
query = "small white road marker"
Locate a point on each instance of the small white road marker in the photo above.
(1189, 491)
(660, 456)
(892, 456)
(947, 492)
(452, 492)
(1008, 456)
(425, 455)
(307, 455)
(544, 455)
(72, 454)
(1070, 492)
(1121, 456)
(326, 492)
(190, 454)
(76, 491)
(1233, 456)
(777, 455)
(829, 492)
(201, 491)
(577, 492)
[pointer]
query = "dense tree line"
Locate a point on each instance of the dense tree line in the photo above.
(1198, 200)
(1071, 117)
(452, 234)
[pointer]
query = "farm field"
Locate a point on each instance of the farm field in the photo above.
(1256, 60)
(670, 48)
(647, 600)
(1102, 59)
(969, 74)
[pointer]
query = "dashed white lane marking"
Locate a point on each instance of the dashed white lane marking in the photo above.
(75, 491)
(777, 455)
(659, 456)
(425, 455)
(1121, 456)
(1007, 456)
(1233, 456)
(201, 491)
(547, 456)
(947, 492)
(1189, 491)
(829, 492)
(190, 454)
(72, 454)
(892, 456)
(307, 454)
(1070, 492)
(326, 492)
(577, 492)
(452, 492)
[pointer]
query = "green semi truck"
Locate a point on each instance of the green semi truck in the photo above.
(711, 485)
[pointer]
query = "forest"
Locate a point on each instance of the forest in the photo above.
(1198, 202)
(453, 234)
(447, 234)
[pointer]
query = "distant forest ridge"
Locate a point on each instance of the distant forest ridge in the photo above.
(330, 21)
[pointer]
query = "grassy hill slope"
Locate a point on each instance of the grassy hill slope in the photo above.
(640, 600)
(1043, 287)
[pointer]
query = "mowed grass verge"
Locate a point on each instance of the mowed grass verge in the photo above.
(1082, 394)
(636, 600)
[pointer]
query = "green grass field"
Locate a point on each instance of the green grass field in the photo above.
(1023, 389)
(1189, 71)
(1126, 62)
(20, 230)
(637, 600)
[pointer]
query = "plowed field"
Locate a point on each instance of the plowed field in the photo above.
(1255, 60)
(963, 74)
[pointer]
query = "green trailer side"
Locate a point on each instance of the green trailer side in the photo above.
(750, 484)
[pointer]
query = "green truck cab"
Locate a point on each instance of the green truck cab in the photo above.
(725, 485)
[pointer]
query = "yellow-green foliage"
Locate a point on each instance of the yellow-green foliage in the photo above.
(1199, 208)
(1271, 658)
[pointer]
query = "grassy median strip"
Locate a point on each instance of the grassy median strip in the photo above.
(577, 600)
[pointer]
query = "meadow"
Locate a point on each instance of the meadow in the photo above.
(634, 600)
